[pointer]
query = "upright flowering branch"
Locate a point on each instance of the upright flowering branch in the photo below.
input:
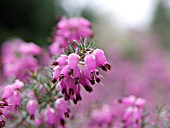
(43, 97)
(134, 112)
(78, 67)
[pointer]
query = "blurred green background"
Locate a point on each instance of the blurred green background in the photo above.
(31, 20)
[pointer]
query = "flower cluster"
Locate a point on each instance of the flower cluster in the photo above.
(79, 67)
(69, 30)
(133, 113)
(51, 115)
(18, 58)
(12, 94)
(41, 105)
(102, 117)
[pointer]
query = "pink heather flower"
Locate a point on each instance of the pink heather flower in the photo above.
(18, 58)
(18, 84)
(29, 48)
(69, 30)
(76, 73)
(64, 72)
(84, 22)
(12, 93)
(16, 98)
(56, 73)
(90, 62)
(71, 87)
(32, 107)
(85, 83)
(133, 113)
(61, 107)
(102, 117)
(38, 121)
(132, 100)
(61, 61)
(8, 91)
(101, 59)
(73, 60)
(76, 70)
(50, 115)
(86, 73)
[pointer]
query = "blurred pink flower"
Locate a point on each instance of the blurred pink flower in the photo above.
(18, 58)
(69, 30)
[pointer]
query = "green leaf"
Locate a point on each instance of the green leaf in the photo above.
(71, 47)
(81, 46)
(42, 80)
(76, 43)
(65, 52)
(68, 51)
(85, 42)
(49, 85)
(91, 44)
(81, 39)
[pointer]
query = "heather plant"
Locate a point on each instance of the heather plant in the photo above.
(79, 67)
(41, 97)
(73, 91)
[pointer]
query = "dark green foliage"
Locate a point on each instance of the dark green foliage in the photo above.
(31, 20)
(161, 23)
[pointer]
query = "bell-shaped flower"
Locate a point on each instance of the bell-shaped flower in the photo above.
(32, 107)
(50, 115)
